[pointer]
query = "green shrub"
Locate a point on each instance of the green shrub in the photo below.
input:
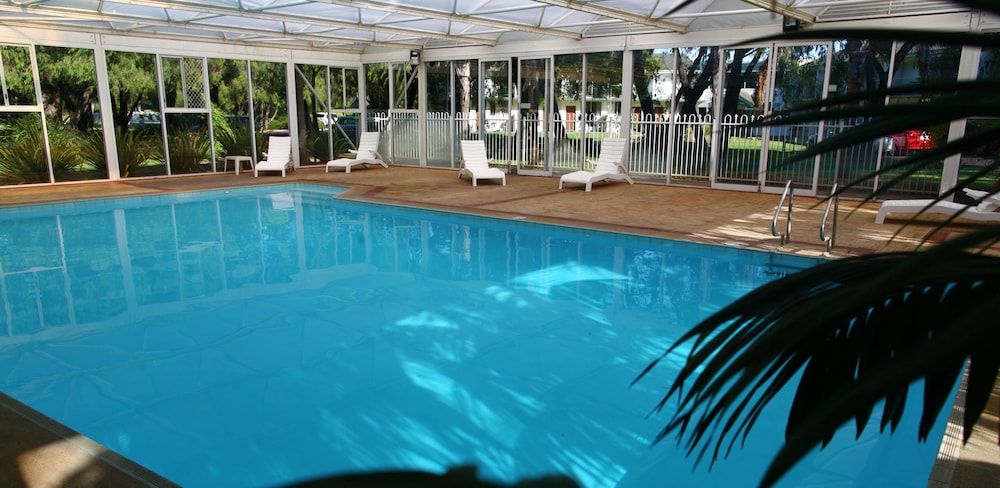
(22, 154)
(187, 151)
(135, 149)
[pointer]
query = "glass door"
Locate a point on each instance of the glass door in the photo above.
(799, 74)
(531, 100)
(759, 82)
(496, 120)
(743, 101)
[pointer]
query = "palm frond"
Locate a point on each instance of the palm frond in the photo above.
(855, 333)
(851, 336)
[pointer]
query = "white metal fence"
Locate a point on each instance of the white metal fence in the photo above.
(665, 148)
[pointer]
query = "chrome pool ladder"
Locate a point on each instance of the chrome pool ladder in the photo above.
(834, 201)
(787, 235)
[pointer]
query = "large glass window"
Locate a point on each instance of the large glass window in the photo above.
(135, 113)
(270, 101)
(186, 115)
(452, 108)
(743, 100)
(857, 67)
(915, 65)
(231, 117)
(976, 161)
(442, 122)
(69, 90)
(672, 100)
(799, 79)
(312, 89)
(18, 83)
(23, 157)
(569, 118)
(327, 93)
(497, 120)
(603, 93)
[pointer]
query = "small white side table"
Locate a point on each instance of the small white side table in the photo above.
(238, 160)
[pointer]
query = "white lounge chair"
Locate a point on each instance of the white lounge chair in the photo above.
(984, 211)
(278, 156)
(477, 165)
(367, 154)
(610, 166)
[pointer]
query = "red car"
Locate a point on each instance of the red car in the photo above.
(912, 140)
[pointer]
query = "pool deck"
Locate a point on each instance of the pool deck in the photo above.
(39, 452)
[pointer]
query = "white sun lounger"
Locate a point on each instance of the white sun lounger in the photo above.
(278, 156)
(610, 166)
(477, 165)
(982, 212)
(367, 154)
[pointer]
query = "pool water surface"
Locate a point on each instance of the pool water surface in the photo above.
(263, 336)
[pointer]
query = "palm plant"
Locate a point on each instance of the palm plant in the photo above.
(188, 150)
(856, 333)
(22, 156)
(135, 149)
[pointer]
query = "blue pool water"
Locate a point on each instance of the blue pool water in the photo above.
(261, 336)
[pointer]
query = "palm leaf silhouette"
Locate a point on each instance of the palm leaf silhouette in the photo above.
(855, 333)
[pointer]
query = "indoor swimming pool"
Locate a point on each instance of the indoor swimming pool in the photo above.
(266, 335)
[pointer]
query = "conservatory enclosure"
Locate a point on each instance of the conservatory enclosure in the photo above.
(119, 93)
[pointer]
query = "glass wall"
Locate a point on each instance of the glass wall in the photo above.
(743, 95)
(972, 169)
(914, 65)
(186, 116)
(68, 80)
(269, 95)
(404, 118)
(316, 141)
(135, 113)
(857, 67)
(377, 103)
(232, 120)
(673, 96)
(570, 128)
(23, 154)
(452, 101)
(64, 146)
(179, 114)
(497, 120)
(799, 79)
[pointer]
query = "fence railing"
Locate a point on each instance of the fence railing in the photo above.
(668, 148)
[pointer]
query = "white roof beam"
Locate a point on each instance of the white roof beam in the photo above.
(453, 17)
(262, 13)
(244, 33)
(783, 10)
(597, 9)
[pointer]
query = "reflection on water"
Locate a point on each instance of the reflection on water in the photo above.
(93, 265)
(260, 336)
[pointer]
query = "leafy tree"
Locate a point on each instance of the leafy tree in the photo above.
(269, 95)
(132, 79)
(69, 85)
(645, 65)
(227, 81)
(859, 330)
(17, 75)
(377, 87)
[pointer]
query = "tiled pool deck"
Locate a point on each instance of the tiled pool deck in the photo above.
(37, 452)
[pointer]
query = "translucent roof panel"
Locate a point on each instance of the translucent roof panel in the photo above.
(355, 25)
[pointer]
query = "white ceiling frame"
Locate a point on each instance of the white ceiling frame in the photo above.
(143, 24)
(783, 10)
(613, 13)
(454, 17)
(196, 7)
